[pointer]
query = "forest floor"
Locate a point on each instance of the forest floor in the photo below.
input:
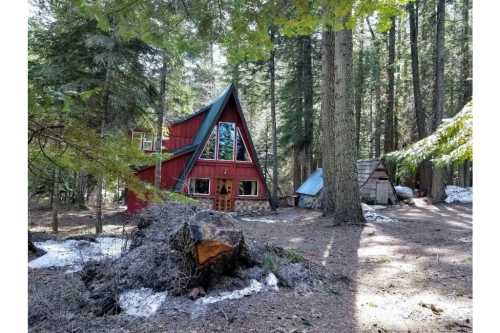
(409, 274)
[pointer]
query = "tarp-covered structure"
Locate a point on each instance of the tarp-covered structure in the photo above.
(374, 185)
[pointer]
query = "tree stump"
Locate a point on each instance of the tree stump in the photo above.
(211, 245)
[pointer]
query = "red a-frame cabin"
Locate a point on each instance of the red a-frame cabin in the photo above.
(213, 159)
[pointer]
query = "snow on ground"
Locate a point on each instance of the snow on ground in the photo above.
(254, 288)
(370, 213)
(141, 302)
(74, 253)
(404, 192)
(458, 194)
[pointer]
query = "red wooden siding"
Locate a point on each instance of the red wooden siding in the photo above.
(182, 134)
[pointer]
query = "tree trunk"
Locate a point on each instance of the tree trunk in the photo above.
(307, 85)
(466, 68)
(327, 117)
(160, 114)
(80, 190)
(389, 114)
(378, 99)
(100, 181)
(417, 99)
(274, 192)
(296, 169)
(358, 103)
(437, 191)
(347, 198)
(55, 202)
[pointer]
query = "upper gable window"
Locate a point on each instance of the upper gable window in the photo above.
(241, 149)
(209, 151)
(226, 141)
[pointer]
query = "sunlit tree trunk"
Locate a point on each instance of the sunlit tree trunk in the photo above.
(346, 188)
(389, 114)
(308, 106)
(437, 191)
(327, 117)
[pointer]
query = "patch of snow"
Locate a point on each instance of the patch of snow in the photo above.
(404, 192)
(458, 194)
(272, 281)
(74, 253)
(261, 219)
(254, 287)
(373, 216)
(141, 302)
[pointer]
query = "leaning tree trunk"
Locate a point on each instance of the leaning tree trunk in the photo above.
(437, 190)
(347, 198)
(274, 192)
(327, 117)
(160, 114)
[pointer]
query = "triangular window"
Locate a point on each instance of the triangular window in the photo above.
(241, 149)
(209, 151)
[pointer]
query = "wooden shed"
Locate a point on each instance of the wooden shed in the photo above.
(375, 186)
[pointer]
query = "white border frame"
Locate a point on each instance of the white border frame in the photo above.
(203, 194)
(244, 144)
(216, 145)
(249, 195)
(234, 140)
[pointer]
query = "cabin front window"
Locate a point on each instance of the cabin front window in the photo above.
(199, 186)
(241, 149)
(226, 141)
(209, 151)
(248, 188)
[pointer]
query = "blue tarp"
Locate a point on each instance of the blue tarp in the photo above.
(313, 184)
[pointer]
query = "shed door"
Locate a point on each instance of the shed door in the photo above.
(382, 192)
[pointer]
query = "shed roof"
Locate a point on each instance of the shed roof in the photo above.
(314, 183)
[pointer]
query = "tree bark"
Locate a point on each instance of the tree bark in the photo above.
(327, 117)
(274, 192)
(307, 85)
(437, 190)
(466, 68)
(359, 92)
(346, 188)
(296, 168)
(417, 98)
(378, 99)
(389, 114)
(160, 114)
(55, 202)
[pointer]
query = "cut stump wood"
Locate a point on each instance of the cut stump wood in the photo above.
(211, 242)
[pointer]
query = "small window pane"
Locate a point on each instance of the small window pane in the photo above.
(248, 187)
(137, 139)
(241, 150)
(209, 151)
(147, 141)
(226, 141)
(199, 186)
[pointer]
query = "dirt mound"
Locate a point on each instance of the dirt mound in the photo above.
(163, 263)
